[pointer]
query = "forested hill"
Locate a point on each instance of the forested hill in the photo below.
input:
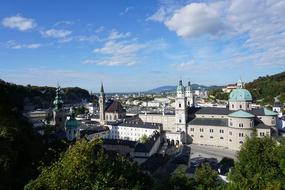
(40, 96)
(264, 89)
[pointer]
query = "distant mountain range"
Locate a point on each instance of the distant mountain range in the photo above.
(170, 88)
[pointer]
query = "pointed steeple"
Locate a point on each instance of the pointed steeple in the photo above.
(102, 88)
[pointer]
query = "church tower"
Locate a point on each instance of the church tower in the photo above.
(180, 108)
(58, 112)
(102, 105)
(189, 96)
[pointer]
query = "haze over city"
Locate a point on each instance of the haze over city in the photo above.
(139, 45)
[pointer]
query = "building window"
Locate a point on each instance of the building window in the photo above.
(191, 129)
(230, 133)
(179, 120)
(231, 123)
(240, 134)
(232, 106)
(240, 142)
(240, 125)
(221, 131)
(221, 137)
(230, 140)
(192, 135)
(211, 130)
(180, 105)
(261, 134)
(240, 106)
(201, 136)
(201, 130)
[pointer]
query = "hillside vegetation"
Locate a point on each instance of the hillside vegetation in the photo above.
(264, 89)
(40, 96)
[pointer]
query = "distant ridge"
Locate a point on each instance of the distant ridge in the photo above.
(171, 88)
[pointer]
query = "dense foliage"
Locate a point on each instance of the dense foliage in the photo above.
(218, 94)
(204, 178)
(268, 87)
(40, 96)
(260, 165)
(87, 166)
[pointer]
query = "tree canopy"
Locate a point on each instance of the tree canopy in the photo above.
(260, 165)
(87, 166)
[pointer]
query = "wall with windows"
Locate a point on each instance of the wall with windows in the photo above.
(268, 120)
(129, 133)
(237, 136)
(263, 132)
(167, 121)
(240, 105)
(211, 116)
(241, 122)
(208, 135)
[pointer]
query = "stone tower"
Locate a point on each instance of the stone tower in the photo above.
(58, 112)
(102, 105)
(189, 96)
(180, 108)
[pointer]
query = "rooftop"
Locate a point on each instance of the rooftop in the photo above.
(209, 121)
(147, 146)
(241, 114)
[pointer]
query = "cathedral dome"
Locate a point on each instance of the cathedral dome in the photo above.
(72, 123)
(180, 87)
(240, 95)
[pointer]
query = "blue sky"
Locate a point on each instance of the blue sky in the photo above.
(138, 45)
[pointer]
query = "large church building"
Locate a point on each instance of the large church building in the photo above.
(226, 127)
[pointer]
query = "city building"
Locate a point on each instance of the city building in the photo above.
(217, 126)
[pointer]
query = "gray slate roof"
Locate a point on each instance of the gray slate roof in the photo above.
(209, 121)
(210, 110)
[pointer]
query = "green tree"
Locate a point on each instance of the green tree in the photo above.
(180, 180)
(86, 166)
(206, 178)
(259, 165)
(143, 138)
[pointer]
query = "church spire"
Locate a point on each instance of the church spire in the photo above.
(102, 88)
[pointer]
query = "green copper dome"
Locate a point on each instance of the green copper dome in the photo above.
(188, 87)
(180, 87)
(240, 95)
(72, 123)
(241, 114)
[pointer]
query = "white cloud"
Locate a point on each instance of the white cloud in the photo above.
(196, 19)
(127, 9)
(256, 27)
(159, 15)
(14, 45)
(19, 22)
(56, 33)
(118, 53)
(114, 35)
(89, 62)
(100, 29)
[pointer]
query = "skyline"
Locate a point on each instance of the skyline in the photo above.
(140, 45)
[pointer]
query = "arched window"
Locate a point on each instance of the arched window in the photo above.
(240, 106)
